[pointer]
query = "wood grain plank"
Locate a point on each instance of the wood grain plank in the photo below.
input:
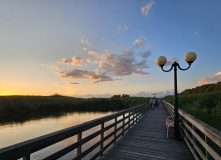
(147, 140)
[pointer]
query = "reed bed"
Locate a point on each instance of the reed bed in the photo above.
(203, 106)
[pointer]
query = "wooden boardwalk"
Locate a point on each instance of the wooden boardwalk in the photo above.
(147, 140)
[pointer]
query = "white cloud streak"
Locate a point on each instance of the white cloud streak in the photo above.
(146, 9)
(212, 79)
(84, 40)
(122, 27)
(139, 43)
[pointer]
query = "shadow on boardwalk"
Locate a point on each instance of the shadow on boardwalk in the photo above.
(147, 140)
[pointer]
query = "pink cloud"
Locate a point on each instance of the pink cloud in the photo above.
(212, 79)
(76, 61)
(93, 53)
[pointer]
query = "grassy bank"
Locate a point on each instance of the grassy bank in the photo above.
(204, 106)
(45, 104)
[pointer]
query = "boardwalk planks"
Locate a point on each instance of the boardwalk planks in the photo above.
(147, 140)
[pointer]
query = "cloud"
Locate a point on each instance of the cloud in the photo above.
(51, 67)
(120, 65)
(146, 54)
(213, 79)
(170, 61)
(139, 43)
(84, 74)
(93, 53)
(150, 94)
(74, 83)
(105, 66)
(84, 48)
(62, 83)
(89, 60)
(93, 96)
(122, 27)
(145, 10)
(83, 40)
(57, 68)
(76, 61)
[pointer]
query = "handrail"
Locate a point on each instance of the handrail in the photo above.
(26, 148)
(203, 140)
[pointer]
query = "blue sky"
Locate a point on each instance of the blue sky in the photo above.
(94, 48)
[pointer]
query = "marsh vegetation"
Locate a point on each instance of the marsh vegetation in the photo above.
(202, 102)
(22, 108)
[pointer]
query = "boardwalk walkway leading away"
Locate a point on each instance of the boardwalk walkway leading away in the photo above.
(147, 140)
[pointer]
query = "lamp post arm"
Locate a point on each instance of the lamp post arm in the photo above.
(167, 70)
(185, 68)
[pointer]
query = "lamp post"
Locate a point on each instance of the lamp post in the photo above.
(190, 57)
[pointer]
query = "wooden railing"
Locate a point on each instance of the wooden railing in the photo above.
(203, 141)
(122, 121)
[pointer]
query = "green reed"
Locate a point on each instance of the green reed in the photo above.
(31, 104)
(203, 106)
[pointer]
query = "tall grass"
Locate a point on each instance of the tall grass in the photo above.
(204, 106)
(44, 104)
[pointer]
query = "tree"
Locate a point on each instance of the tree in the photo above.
(116, 96)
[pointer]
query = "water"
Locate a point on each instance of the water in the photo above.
(12, 133)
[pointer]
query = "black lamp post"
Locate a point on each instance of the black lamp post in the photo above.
(190, 57)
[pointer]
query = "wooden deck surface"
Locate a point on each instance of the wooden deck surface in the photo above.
(147, 140)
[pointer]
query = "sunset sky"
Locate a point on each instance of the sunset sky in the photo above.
(98, 48)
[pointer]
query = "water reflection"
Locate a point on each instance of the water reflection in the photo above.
(18, 131)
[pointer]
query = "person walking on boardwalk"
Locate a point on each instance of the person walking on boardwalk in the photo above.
(152, 104)
(156, 103)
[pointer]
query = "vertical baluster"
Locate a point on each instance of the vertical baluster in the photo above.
(208, 141)
(194, 139)
(102, 138)
(133, 117)
(79, 148)
(123, 123)
(115, 128)
(129, 121)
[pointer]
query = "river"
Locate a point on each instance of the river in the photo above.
(13, 133)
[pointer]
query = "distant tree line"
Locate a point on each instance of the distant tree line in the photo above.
(119, 96)
(204, 89)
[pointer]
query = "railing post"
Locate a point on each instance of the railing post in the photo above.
(123, 123)
(129, 121)
(194, 139)
(208, 156)
(79, 148)
(115, 128)
(133, 116)
(27, 157)
(102, 137)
